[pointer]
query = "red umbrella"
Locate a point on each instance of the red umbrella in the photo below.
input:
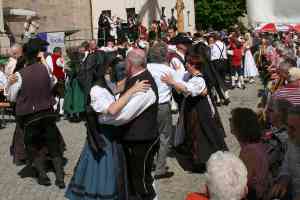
(297, 28)
(285, 28)
(270, 27)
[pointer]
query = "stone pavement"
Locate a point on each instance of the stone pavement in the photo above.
(12, 187)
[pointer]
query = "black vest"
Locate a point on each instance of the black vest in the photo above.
(36, 93)
(144, 127)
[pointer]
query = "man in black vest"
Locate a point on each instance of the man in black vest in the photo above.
(140, 140)
(34, 111)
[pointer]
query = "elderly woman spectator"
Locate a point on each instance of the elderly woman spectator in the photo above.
(277, 138)
(226, 178)
(278, 113)
(245, 126)
(291, 91)
(288, 183)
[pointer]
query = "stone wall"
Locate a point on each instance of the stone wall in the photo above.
(56, 15)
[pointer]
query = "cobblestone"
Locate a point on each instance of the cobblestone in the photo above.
(12, 187)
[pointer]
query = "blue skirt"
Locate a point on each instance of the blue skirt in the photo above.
(99, 180)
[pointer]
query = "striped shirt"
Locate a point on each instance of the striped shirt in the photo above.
(290, 93)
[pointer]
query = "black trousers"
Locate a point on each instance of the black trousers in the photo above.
(139, 159)
(221, 68)
(219, 72)
(40, 127)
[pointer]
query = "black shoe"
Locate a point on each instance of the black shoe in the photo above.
(243, 87)
(199, 168)
(218, 104)
(59, 172)
(60, 184)
(43, 179)
(74, 119)
(232, 87)
(165, 175)
(154, 168)
(20, 162)
(226, 102)
(1, 125)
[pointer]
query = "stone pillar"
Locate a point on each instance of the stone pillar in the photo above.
(1, 17)
(4, 41)
(180, 15)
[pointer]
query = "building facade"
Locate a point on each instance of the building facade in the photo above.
(80, 17)
(148, 10)
(55, 16)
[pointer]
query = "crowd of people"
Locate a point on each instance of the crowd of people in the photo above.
(126, 92)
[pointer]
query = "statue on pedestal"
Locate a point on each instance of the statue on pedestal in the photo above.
(172, 21)
(30, 29)
(180, 16)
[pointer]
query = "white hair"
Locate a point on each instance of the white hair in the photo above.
(226, 177)
(294, 74)
(137, 58)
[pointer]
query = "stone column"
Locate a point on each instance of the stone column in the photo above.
(4, 41)
(180, 15)
(1, 17)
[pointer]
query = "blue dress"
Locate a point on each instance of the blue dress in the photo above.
(100, 180)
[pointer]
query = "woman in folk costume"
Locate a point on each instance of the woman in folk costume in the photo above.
(101, 174)
(203, 136)
(250, 69)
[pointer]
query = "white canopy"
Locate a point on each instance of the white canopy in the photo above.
(273, 11)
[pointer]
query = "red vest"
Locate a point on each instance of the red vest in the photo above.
(196, 196)
(237, 57)
(57, 70)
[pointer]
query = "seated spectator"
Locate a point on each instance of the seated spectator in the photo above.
(277, 138)
(291, 91)
(278, 114)
(245, 126)
(288, 183)
(226, 178)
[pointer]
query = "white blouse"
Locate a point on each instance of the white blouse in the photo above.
(195, 87)
(101, 99)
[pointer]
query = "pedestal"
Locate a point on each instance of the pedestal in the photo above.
(4, 44)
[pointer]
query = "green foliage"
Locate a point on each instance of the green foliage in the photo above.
(219, 14)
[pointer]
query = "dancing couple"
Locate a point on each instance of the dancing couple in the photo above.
(127, 126)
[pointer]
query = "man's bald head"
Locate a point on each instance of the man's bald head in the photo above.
(136, 61)
(16, 51)
(137, 58)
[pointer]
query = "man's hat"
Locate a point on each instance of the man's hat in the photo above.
(180, 39)
(34, 46)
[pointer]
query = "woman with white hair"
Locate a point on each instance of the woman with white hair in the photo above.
(226, 178)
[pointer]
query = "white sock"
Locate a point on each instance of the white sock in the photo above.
(61, 110)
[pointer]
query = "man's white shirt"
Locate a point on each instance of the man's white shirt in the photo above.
(216, 50)
(164, 90)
